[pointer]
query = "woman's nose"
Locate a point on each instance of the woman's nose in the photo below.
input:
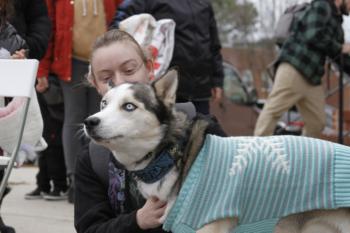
(118, 79)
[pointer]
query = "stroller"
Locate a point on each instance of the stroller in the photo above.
(20, 119)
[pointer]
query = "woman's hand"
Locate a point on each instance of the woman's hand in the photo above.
(148, 217)
(20, 54)
(216, 94)
(42, 84)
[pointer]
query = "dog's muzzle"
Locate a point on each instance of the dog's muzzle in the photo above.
(90, 124)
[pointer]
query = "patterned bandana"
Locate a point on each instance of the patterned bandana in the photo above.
(116, 188)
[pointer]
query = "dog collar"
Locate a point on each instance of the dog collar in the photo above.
(157, 168)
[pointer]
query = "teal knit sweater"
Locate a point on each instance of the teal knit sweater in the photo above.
(260, 180)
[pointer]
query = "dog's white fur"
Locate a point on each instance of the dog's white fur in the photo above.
(130, 135)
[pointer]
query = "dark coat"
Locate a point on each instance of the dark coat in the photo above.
(33, 24)
(10, 39)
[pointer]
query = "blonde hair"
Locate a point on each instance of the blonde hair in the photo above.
(114, 36)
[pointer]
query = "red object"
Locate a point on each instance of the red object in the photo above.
(296, 123)
(59, 53)
(154, 52)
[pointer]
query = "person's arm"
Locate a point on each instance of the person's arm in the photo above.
(45, 62)
(317, 34)
(38, 28)
(214, 127)
(215, 48)
(126, 9)
(93, 213)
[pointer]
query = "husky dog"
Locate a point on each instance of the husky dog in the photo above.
(170, 157)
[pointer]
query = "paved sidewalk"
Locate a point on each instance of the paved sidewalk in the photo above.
(34, 216)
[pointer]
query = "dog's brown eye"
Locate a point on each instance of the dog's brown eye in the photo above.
(129, 107)
(103, 104)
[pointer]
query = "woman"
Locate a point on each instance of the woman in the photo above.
(115, 205)
(76, 25)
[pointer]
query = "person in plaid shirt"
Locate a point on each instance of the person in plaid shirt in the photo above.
(316, 34)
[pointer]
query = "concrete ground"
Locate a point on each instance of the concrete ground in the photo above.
(34, 216)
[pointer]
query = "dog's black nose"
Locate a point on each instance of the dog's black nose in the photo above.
(92, 122)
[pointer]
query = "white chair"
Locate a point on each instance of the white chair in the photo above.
(17, 79)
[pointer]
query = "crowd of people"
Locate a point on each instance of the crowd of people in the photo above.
(68, 36)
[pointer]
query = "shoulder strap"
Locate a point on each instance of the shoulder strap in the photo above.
(99, 157)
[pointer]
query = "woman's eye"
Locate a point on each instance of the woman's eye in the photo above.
(129, 71)
(129, 107)
(106, 80)
(103, 104)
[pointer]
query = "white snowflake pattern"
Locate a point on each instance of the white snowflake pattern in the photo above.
(270, 149)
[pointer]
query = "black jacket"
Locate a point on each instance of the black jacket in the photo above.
(197, 46)
(93, 211)
(33, 24)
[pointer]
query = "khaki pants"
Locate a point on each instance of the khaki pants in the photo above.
(289, 89)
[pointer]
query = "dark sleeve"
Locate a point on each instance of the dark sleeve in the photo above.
(317, 33)
(38, 28)
(213, 127)
(92, 211)
(126, 9)
(218, 72)
(11, 40)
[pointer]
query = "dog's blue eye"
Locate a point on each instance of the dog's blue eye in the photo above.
(103, 104)
(129, 107)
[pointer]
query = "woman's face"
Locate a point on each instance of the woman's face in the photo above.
(118, 63)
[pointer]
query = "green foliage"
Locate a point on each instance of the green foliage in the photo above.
(234, 18)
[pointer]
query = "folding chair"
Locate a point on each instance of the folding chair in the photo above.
(17, 78)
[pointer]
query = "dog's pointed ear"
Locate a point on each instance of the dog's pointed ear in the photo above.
(166, 87)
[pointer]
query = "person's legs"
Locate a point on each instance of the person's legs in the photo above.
(57, 168)
(76, 107)
(57, 173)
(312, 111)
(285, 93)
(42, 179)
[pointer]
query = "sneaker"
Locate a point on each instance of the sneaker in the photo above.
(56, 195)
(35, 194)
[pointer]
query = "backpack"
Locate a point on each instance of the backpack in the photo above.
(284, 24)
